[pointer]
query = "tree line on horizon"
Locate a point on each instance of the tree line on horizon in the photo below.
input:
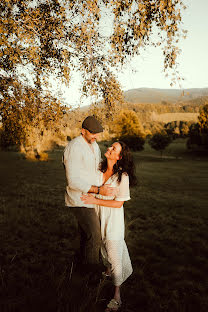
(125, 125)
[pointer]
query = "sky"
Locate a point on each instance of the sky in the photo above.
(146, 70)
(193, 60)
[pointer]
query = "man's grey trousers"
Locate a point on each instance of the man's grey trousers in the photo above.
(90, 234)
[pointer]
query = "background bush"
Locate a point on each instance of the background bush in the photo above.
(135, 143)
(160, 141)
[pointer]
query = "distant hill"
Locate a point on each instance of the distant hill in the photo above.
(151, 95)
(158, 106)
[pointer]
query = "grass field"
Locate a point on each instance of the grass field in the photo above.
(166, 233)
(169, 117)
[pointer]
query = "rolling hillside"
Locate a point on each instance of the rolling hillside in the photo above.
(154, 107)
(151, 95)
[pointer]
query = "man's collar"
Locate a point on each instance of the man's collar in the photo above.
(83, 140)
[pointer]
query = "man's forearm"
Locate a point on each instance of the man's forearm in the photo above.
(105, 190)
(94, 189)
(109, 203)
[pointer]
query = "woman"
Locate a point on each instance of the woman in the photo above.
(116, 169)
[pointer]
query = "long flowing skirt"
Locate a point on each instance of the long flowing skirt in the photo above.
(115, 254)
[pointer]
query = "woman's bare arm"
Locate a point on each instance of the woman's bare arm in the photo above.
(90, 199)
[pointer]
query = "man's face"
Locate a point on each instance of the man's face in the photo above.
(89, 137)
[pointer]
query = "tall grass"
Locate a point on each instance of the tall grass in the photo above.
(166, 233)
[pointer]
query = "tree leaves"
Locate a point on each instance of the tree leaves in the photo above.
(42, 31)
(59, 36)
(203, 119)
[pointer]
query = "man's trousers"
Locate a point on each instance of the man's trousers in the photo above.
(90, 234)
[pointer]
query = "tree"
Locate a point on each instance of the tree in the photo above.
(199, 131)
(159, 141)
(39, 38)
(60, 35)
(128, 123)
(184, 129)
(31, 124)
(176, 132)
(128, 129)
(203, 120)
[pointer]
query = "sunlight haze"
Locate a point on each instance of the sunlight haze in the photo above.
(146, 70)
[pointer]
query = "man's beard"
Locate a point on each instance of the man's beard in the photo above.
(90, 141)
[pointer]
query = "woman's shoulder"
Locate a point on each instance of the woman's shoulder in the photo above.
(124, 179)
(124, 176)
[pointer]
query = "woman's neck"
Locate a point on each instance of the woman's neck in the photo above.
(110, 164)
(109, 171)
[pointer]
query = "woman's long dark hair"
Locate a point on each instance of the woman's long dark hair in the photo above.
(124, 165)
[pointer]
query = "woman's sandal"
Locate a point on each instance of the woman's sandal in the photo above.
(113, 305)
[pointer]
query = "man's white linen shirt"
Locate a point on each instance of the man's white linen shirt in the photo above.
(81, 165)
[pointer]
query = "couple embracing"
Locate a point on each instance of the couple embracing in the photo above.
(95, 192)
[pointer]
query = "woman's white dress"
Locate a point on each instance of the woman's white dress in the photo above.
(114, 250)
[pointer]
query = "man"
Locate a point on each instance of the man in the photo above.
(81, 159)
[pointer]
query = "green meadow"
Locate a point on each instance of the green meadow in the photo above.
(166, 234)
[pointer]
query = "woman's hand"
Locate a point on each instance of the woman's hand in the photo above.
(108, 190)
(88, 199)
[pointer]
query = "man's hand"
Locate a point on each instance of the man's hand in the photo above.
(108, 190)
